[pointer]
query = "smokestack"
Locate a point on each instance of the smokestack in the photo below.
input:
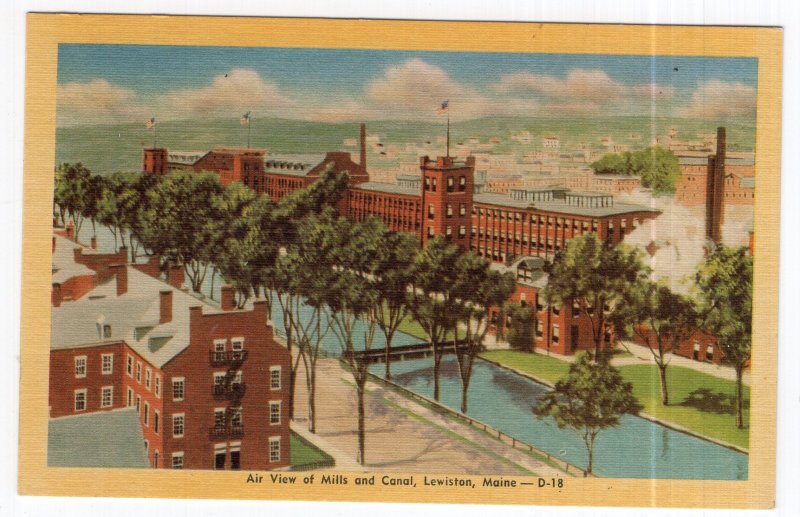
(715, 190)
(226, 298)
(363, 157)
(121, 272)
(165, 306)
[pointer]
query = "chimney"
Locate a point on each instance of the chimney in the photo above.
(363, 157)
(715, 190)
(56, 296)
(93, 242)
(54, 243)
(70, 228)
(165, 306)
(175, 276)
(226, 298)
(121, 272)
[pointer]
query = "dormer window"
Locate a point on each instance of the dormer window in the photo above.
(106, 331)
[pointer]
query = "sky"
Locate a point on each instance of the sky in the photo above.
(126, 83)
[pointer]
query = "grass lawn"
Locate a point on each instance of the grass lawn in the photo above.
(539, 365)
(698, 402)
(411, 327)
(305, 454)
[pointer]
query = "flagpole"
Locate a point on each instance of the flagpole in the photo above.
(448, 133)
(249, 122)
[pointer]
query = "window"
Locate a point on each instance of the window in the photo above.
(539, 328)
(448, 231)
(275, 378)
(155, 459)
(462, 183)
(80, 400)
(177, 460)
(236, 417)
(107, 396)
(178, 388)
(274, 449)
(147, 376)
(139, 372)
(130, 397)
(106, 331)
(177, 425)
(431, 212)
(274, 412)
(219, 417)
(462, 209)
(129, 366)
(107, 364)
(138, 403)
(427, 183)
(235, 456)
(219, 456)
(237, 345)
(556, 333)
(710, 353)
(433, 185)
(696, 351)
(156, 421)
(462, 231)
(449, 211)
(430, 231)
(450, 183)
(147, 414)
(80, 367)
(158, 386)
(219, 378)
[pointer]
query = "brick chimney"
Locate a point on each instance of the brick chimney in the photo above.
(363, 156)
(93, 243)
(56, 296)
(226, 298)
(121, 272)
(165, 306)
(176, 276)
(70, 228)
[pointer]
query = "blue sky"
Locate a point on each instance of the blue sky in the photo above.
(126, 82)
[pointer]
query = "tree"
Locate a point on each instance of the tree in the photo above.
(433, 303)
(394, 275)
(72, 189)
(520, 334)
(662, 319)
(477, 288)
(352, 298)
(725, 282)
(594, 277)
(656, 166)
(592, 397)
(186, 213)
(120, 205)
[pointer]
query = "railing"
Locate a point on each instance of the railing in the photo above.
(226, 431)
(499, 435)
(232, 391)
(226, 358)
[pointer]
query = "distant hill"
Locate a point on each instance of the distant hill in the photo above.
(109, 148)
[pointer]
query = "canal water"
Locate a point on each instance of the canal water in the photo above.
(637, 448)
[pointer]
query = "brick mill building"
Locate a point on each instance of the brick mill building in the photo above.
(442, 201)
(205, 386)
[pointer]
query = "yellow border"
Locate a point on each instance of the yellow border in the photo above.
(46, 31)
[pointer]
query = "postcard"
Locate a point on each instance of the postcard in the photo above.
(373, 260)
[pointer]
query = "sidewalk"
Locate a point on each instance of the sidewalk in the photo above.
(401, 435)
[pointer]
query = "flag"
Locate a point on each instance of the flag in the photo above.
(150, 124)
(443, 108)
(245, 119)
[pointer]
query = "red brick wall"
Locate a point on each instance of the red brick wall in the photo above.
(199, 403)
(686, 348)
(400, 213)
(439, 172)
(63, 383)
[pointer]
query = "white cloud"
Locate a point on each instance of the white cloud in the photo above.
(228, 94)
(95, 102)
(581, 90)
(415, 89)
(717, 98)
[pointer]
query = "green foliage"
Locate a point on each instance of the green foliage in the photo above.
(596, 276)
(656, 165)
(592, 397)
(74, 193)
(520, 334)
(725, 283)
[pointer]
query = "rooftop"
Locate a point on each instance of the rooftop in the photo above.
(292, 165)
(560, 206)
(116, 440)
(389, 188)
